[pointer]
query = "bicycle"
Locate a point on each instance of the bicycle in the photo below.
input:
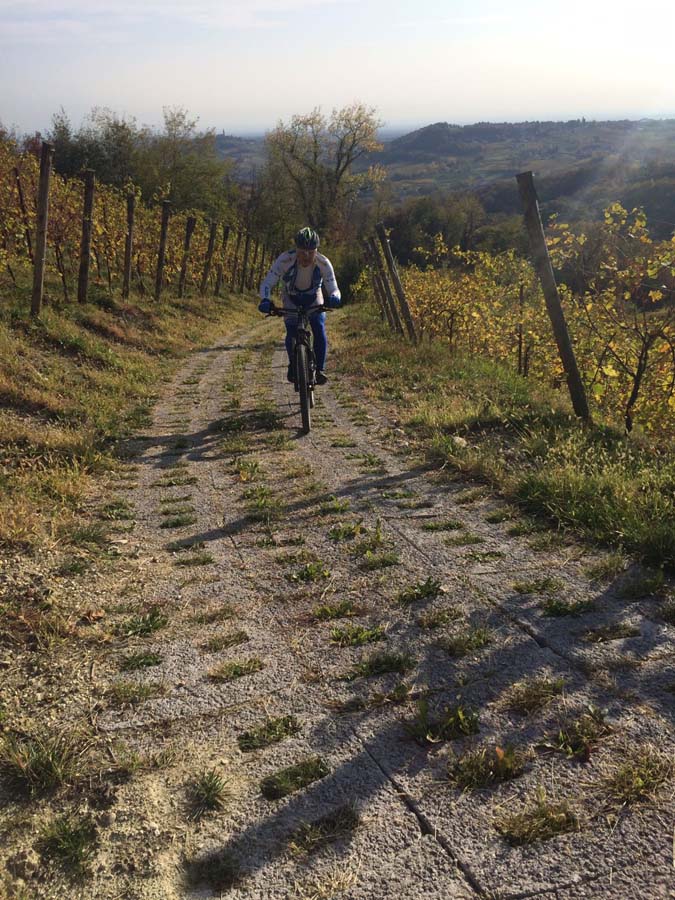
(303, 361)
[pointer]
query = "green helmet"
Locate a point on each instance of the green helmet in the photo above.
(307, 239)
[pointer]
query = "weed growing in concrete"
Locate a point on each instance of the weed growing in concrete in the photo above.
(346, 531)
(380, 664)
(639, 777)
(541, 820)
(143, 624)
(612, 632)
(328, 611)
(447, 725)
(607, 568)
(195, 559)
(223, 641)
(131, 693)
(309, 573)
(332, 506)
(230, 671)
(313, 836)
(270, 732)
(465, 539)
(219, 614)
(423, 590)
(373, 561)
(577, 737)
(532, 694)
(444, 525)
(356, 635)
(181, 520)
(553, 607)
(485, 767)
(469, 641)
(436, 618)
(546, 585)
(293, 778)
(642, 584)
(141, 660)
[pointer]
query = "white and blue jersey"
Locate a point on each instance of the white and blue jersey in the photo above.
(300, 285)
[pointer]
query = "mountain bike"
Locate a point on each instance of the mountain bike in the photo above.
(303, 361)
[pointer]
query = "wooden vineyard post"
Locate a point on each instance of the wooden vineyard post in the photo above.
(128, 245)
(521, 303)
(542, 262)
(384, 312)
(251, 274)
(24, 214)
(386, 289)
(244, 265)
(261, 270)
(46, 157)
(85, 244)
(398, 287)
(213, 233)
(221, 261)
(189, 231)
(235, 262)
(161, 254)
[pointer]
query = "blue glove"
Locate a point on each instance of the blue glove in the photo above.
(265, 306)
(333, 301)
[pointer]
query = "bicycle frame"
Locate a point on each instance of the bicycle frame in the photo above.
(303, 359)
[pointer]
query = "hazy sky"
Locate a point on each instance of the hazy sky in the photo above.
(240, 68)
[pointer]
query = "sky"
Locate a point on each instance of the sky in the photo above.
(240, 68)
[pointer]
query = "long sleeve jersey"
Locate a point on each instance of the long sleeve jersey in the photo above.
(298, 281)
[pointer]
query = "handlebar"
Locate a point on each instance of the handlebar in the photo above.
(280, 311)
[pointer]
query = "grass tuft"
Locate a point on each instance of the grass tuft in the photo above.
(209, 792)
(533, 694)
(70, 842)
(270, 732)
(230, 671)
(326, 612)
(541, 820)
(423, 590)
(40, 763)
(639, 777)
(380, 664)
(141, 660)
(546, 585)
(293, 778)
(485, 767)
(143, 624)
(467, 642)
(333, 826)
(451, 723)
(219, 642)
(356, 635)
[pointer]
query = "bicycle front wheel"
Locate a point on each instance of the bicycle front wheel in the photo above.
(302, 374)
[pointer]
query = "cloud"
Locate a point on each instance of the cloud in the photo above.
(42, 20)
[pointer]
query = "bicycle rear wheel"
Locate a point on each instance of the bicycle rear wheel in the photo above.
(302, 374)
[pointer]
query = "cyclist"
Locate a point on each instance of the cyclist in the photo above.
(303, 273)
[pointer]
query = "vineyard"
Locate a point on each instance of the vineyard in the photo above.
(618, 294)
(180, 252)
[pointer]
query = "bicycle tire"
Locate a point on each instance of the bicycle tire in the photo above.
(302, 374)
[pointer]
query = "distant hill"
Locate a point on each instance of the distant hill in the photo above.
(580, 166)
(247, 154)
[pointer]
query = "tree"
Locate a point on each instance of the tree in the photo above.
(313, 158)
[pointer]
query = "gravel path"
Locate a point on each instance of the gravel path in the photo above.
(426, 576)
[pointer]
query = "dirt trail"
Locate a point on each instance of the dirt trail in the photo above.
(267, 546)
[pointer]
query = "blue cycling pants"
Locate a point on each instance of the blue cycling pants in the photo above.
(318, 324)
